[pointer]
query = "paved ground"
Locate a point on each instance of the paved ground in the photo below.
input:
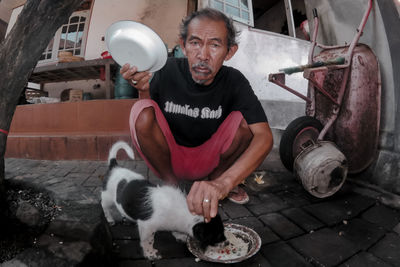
(352, 228)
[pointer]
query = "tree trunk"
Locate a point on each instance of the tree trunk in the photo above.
(19, 53)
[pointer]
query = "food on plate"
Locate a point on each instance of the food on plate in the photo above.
(234, 247)
(242, 243)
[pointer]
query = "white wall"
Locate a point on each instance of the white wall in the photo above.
(6, 7)
(261, 53)
(13, 18)
(104, 13)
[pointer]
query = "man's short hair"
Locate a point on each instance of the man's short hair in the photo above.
(212, 14)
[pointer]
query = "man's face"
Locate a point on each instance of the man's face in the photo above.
(206, 49)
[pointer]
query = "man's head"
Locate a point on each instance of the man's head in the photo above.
(207, 38)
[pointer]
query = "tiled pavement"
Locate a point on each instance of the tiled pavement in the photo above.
(352, 228)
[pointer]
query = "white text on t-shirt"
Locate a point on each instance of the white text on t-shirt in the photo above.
(194, 112)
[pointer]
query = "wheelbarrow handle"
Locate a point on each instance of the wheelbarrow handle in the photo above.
(335, 61)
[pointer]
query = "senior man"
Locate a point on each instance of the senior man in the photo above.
(198, 120)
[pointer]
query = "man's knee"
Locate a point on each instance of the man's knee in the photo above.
(145, 119)
(240, 142)
(244, 134)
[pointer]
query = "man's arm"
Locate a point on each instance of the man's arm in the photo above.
(217, 189)
(252, 157)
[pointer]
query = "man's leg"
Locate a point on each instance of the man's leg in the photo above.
(239, 144)
(153, 144)
(153, 139)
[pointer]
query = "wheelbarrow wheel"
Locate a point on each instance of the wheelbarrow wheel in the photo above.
(300, 133)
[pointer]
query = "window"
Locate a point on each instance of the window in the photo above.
(239, 10)
(286, 17)
(70, 37)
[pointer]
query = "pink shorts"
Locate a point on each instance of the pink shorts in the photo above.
(189, 163)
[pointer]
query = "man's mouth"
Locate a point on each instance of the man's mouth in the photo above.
(201, 69)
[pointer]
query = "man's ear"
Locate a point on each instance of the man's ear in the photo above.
(231, 52)
(182, 45)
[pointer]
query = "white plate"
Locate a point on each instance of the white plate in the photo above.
(136, 44)
(242, 233)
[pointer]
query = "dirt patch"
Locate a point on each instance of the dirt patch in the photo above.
(27, 215)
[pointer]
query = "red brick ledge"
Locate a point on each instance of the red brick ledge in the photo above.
(68, 131)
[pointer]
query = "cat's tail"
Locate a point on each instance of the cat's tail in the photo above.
(112, 161)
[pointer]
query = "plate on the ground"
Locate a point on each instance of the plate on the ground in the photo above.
(243, 243)
(136, 44)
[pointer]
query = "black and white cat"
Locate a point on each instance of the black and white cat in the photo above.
(154, 208)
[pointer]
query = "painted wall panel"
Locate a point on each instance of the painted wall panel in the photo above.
(261, 53)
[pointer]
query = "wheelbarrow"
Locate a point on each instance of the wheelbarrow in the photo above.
(339, 134)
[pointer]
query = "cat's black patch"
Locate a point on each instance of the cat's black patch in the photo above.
(209, 233)
(120, 188)
(113, 164)
(133, 197)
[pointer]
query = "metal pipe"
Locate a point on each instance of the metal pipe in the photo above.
(289, 17)
(330, 46)
(314, 36)
(360, 30)
(316, 64)
(311, 88)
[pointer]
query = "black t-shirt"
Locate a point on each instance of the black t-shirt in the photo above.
(194, 112)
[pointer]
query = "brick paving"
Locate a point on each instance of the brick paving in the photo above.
(351, 228)
(78, 235)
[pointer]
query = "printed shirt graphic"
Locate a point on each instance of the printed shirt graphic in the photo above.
(194, 112)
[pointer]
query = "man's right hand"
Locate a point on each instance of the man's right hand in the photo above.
(139, 80)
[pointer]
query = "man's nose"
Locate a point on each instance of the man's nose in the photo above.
(203, 53)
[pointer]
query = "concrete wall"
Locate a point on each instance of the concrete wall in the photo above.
(6, 7)
(261, 53)
(339, 20)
